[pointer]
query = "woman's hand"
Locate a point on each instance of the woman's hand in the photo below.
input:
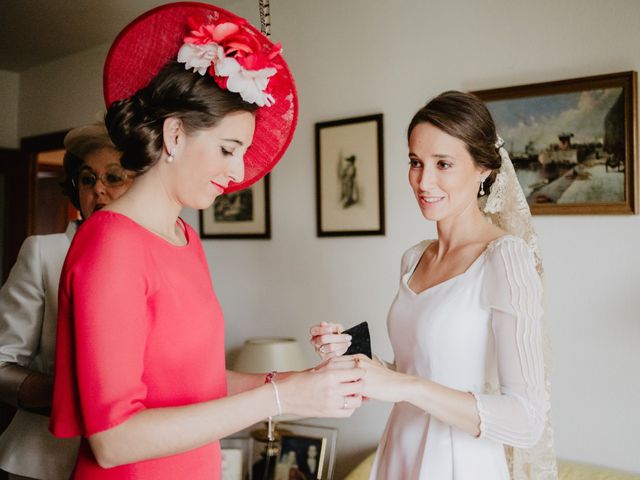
(381, 383)
(332, 389)
(328, 340)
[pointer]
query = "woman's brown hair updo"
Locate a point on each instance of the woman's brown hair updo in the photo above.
(465, 117)
(135, 124)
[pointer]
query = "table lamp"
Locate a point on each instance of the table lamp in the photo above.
(263, 355)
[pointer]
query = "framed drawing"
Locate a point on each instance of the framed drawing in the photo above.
(350, 177)
(573, 142)
(243, 214)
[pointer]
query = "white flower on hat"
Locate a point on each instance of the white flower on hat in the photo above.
(250, 84)
(200, 57)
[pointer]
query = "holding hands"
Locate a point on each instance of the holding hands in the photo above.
(332, 389)
(378, 382)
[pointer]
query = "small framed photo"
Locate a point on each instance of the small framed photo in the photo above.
(306, 452)
(301, 452)
(300, 457)
(350, 177)
(573, 142)
(239, 215)
(235, 458)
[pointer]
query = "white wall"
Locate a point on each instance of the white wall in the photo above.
(62, 94)
(9, 88)
(354, 57)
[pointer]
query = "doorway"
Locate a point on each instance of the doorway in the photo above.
(32, 204)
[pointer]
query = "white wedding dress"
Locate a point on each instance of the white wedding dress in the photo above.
(477, 332)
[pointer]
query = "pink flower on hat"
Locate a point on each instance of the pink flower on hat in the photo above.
(233, 56)
(202, 32)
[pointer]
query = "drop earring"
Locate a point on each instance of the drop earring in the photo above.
(482, 187)
(171, 157)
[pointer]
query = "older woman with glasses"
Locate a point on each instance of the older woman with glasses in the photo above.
(28, 312)
(93, 174)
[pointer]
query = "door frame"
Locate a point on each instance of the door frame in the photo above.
(19, 172)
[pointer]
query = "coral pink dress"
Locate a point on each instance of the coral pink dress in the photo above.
(139, 327)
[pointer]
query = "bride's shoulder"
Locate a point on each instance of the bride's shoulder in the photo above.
(505, 241)
(418, 248)
(508, 250)
(414, 252)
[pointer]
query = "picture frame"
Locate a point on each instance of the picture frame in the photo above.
(350, 176)
(236, 459)
(573, 142)
(304, 452)
(245, 214)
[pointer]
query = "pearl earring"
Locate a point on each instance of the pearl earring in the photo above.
(171, 157)
(482, 187)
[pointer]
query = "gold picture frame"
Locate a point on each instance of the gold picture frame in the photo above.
(573, 142)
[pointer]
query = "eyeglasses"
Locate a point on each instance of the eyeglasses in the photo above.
(115, 176)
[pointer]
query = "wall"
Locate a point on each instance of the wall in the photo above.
(9, 91)
(355, 57)
(62, 94)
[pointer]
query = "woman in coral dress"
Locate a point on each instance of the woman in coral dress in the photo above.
(200, 104)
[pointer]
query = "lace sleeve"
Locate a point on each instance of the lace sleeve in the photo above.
(513, 292)
(506, 207)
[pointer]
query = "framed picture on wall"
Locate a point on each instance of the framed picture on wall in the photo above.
(237, 215)
(350, 177)
(573, 142)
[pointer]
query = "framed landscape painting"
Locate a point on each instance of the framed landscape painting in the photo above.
(573, 142)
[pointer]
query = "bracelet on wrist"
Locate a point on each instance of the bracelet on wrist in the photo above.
(269, 378)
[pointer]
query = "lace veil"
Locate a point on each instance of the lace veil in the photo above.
(507, 208)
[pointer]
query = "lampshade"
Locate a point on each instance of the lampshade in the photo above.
(265, 354)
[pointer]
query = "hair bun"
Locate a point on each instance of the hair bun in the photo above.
(129, 122)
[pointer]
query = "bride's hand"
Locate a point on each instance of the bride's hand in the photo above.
(328, 340)
(379, 382)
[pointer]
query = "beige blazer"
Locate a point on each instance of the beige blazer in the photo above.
(28, 318)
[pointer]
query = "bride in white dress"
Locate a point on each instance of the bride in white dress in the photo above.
(469, 381)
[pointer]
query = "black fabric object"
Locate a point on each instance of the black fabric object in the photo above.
(360, 340)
